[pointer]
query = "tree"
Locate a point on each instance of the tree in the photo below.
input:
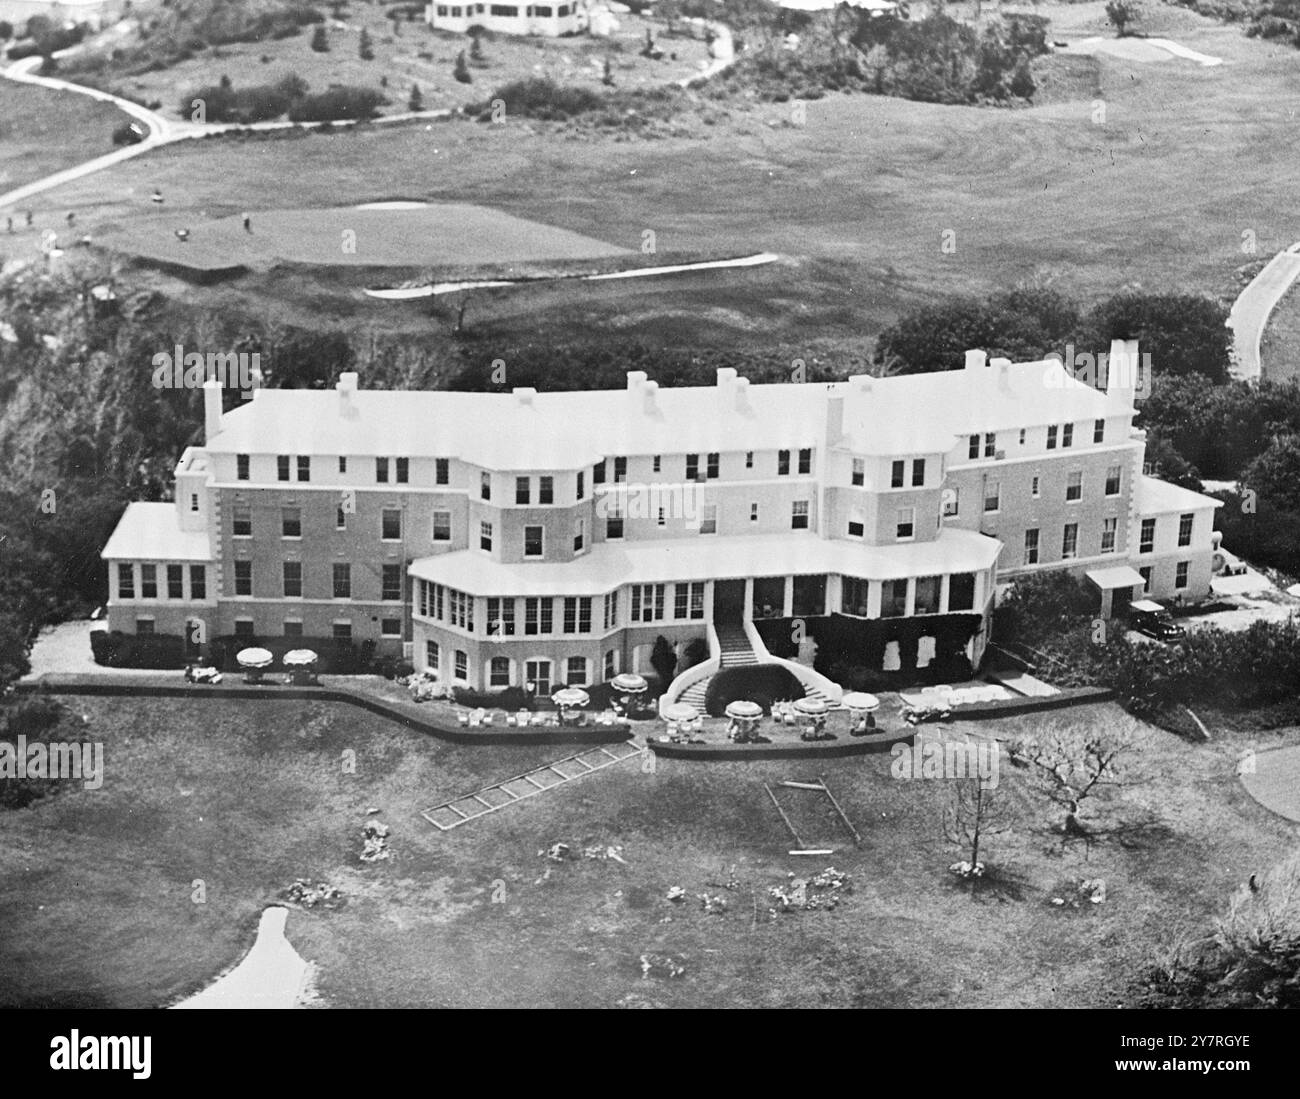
(416, 102)
(974, 812)
(320, 40)
(1022, 84)
(6, 30)
(366, 49)
(1183, 333)
(1122, 13)
(1275, 474)
(663, 659)
(461, 71)
(476, 53)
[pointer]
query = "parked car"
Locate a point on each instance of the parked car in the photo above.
(1150, 618)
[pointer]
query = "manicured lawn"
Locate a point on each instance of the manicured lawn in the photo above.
(1280, 349)
(95, 887)
(43, 131)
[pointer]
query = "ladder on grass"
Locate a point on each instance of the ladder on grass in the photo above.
(452, 814)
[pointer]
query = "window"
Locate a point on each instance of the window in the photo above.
(647, 602)
(1112, 481)
(782, 462)
(381, 470)
(342, 580)
(753, 513)
(799, 515)
(1099, 431)
(611, 666)
(242, 518)
(662, 520)
(1022, 436)
(442, 526)
(961, 592)
(918, 472)
(1180, 574)
(431, 655)
(241, 467)
(1074, 485)
(499, 672)
(927, 594)
(692, 467)
(974, 449)
(282, 467)
(688, 600)
(576, 671)
(620, 470)
(175, 581)
(1067, 435)
(293, 579)
(1031, 546)
(859, 475)
(485, 486)
(340, 518)
(805, 460)
(1070, 541)
(611, 610)
(461, 665)
(579, 534)
(992, 495)
(577, 615)
(462, 609)
(243, 577)
(341, 631)
(501, 617)
(390, 627)
(198, 582)
(893, 598)
(656, 463)
(538, 673)
(991, 445)
(581, 489)
(537, 616)
(546, 490)
(614, 519)
(391, 584)
(1108, 528)
(709, 519)
(343, 464)
(125, 581)
(485, 536)
(712, 466)
(1147, 541)
(290, 522)
(896, 474)
(857, 523)
(951, 501)
(1034, 487)
(1051, 437)
(304, 467)
(442, 471)
(1185, 529)
(1145, 573)
(853, 596)
(749, 459)
(532, 541)
(293, 627)
(148, 581)
(194, 501)
(390, 525)
(904, 523)
(523, 490)
(403, 470)
(597, 473)
(243, 627)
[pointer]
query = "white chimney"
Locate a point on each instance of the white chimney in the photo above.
(1122, 373)
(741, 389)
(347, 385)
(999, 365)
(976, 360)
(525, 394)
(649, 390)
(211, 409)
(861, 382)
(635, 380)
(834, 418)
(726, 378)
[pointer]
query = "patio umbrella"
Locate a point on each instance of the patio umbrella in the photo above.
(860, 700)
(568, 697)
(255, 658)
(300, 658)
(680, 711)
(744, 710)
(629, 683)
(810, 707)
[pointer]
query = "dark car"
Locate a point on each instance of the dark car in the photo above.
(1153, 620)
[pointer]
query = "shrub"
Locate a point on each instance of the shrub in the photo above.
(350, 103)
(122, 650)
(509, 698)
(320, 40)
(35, 719)
(761, 683)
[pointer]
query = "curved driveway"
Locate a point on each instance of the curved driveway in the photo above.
(1251, 310)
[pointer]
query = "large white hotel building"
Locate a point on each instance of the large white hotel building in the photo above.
(552, 538)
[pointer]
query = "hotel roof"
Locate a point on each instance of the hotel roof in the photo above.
(908, 414)
(1156, 497)
(151, 532)
(610, 564)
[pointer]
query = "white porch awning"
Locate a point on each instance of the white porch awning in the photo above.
(1120, 576)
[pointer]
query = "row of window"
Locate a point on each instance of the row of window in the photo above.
(1057, 435)
(893, 595)
(174, 587)
(1070, 538)
(537, 673)
(505, 11)
(787, 461)
(292, 578)
(387, 470)
(993, 490)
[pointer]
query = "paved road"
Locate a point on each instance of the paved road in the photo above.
(1250, 312)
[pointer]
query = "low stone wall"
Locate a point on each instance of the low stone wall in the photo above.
(1012, 707)
(872, 744)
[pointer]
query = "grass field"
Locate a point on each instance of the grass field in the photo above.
(95, 887)
(43, 131)
(1279, 351)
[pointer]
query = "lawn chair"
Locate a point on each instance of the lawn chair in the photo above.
(462, 717)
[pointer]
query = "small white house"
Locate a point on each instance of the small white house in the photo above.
(97, 13)
(549, 20)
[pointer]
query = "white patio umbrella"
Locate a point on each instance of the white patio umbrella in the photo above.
(300, 658)
(680, 711)
(629, 683)
(255, 658)
(860, 701)
(568, 698)
(744, 710)
(810, 707)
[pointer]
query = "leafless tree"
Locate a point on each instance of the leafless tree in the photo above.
(973, 813)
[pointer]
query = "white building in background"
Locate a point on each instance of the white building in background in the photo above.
(546, 20)
(96, 13)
